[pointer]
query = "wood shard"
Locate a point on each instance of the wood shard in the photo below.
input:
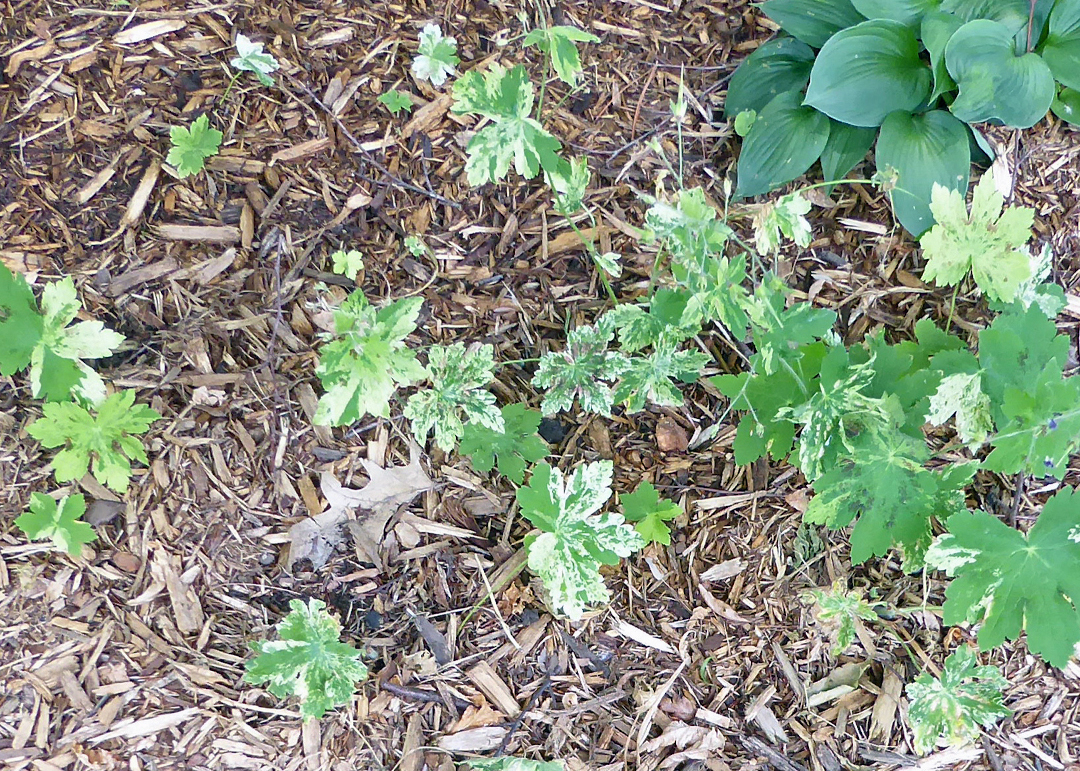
(141, 194)
(217, 234)
(492, 686)
(302, 150)
(148, 31)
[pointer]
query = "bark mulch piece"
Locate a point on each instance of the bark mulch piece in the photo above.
(133, 658)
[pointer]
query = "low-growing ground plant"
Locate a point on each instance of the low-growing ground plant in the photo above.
(192, 146)
(60, 522)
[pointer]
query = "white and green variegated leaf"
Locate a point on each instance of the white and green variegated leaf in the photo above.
(436, 57)
(575, 540)
(961, 395)
(838, 611)
(785, 218)
(1048, 296)
(954, 706)
(584, 371)
(638, 329)
(309, 661)
(362, 369)
(457, 394)
(650, 378)
(252, 58)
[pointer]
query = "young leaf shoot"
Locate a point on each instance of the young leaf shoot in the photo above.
(396, 101)
(192, 146)
(559, 44)
(251, 58)
(21, 326)
(347, 263)
(583, 370)
(838, 611)
(436, 59)
(59, 522)
(649, 513)
(309, 661)
(515, 447)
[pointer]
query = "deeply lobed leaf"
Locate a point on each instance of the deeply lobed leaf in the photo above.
(516, 446)
(59, 522)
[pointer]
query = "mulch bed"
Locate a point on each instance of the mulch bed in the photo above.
(133, 659)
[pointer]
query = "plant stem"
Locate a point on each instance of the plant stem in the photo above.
(1031, 23)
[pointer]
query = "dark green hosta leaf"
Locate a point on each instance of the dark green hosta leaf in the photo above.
(1067, 106)
(953, 706)
(1012, 14)
(812, 21)
(924, 149)
(1062, 48)
(784, 142)
(936, 30)
(1013, 581)
(865, 72)
(777, 66)
(909, 12)
(847, 146)
(995, 83)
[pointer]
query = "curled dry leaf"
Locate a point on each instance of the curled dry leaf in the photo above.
(693, 742)
(386, 490)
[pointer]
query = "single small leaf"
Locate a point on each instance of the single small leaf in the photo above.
(744, 121)
(58, 522)
(583, 370)
(1066, 105)
(569, 180)
(309, 661)
(576, 540)
(961, 396)
(347, 263)
(639, 329)
(436, 57)
(988, 242)
(364, 366)
(515, 447)
(783, 143)
(779, 330)
(396, 101)
(952, 707)
(865, 72)
(559, 43)
(105, 440)
(21, 326)
(251, 58)
(774, 67)
(458, 377)
(838, 611)
(649, 513)
(936, 29)
(1013, 581)
(512, 137)
(783, 218)
(192, 146)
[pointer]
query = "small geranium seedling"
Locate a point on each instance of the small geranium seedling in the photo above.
(395, 101)
(517, 445)
(558, 43)
(251, 58)
(192, 146)
(649, 513)
(436, 58)
(347, 263)
(309, 661)
(59, 522)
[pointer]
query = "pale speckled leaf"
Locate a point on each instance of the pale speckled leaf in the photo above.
(961, 395)
(583, 370)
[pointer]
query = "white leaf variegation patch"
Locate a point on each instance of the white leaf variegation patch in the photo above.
(507, 763)
(962, 395)
(583, 370)
(309, 661)
(436, 58)
(251, 58)
(576, 540)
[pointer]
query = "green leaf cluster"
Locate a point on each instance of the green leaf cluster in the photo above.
(366, 362)
(575, 540)
(47, 342)
(458, 377)
(953, 707)
(838, 611)
(59, 522)
(104, 442)
(309, 661)
(584, 370)
(912, 75)
(649, 513)
(192, 146)
(514, 447)
(396, 101)
(558, 43)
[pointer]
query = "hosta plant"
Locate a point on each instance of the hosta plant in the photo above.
(914, 76)
(575, 539)
(308, 661)
(951, 708)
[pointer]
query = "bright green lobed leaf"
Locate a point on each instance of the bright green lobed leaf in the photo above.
(952, 707)
(583, 370)
(58, 522)
(988, 242)
(649, 513)
(559, 44)
(362, 369)
(1012, 581)
(650, 378)
(639, 329)
(576, 540)
(308, 662)
(396, 101)
(106, 440)
(347, 263)
(779, 330)
(192, 146)
(458, 377)
(251, 58)
(513, 137)
(21, 326)
(436, 57)
(516, 446)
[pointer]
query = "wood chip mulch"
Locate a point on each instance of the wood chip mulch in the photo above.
(706, 657)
